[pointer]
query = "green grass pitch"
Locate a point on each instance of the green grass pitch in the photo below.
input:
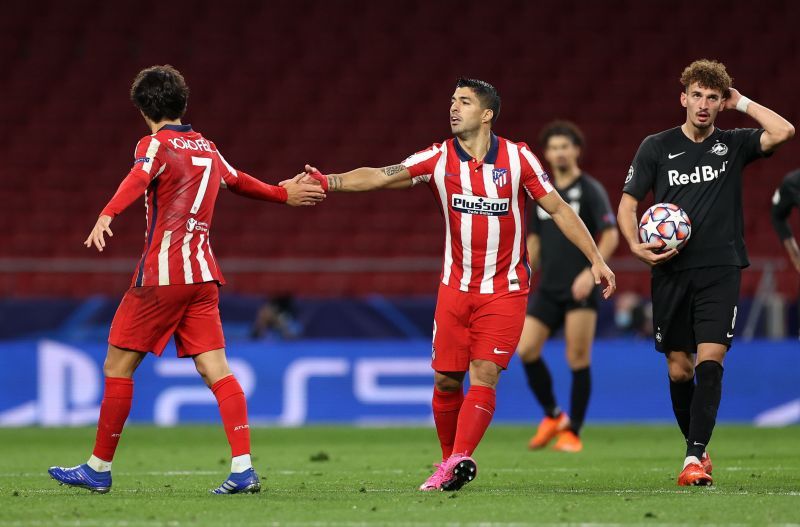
(625, 475)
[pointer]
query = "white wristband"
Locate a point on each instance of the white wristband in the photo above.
(743, 103)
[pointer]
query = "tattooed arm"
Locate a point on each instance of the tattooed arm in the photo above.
(363, 179)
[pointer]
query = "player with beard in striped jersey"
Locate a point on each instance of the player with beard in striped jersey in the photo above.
(481, 182)
(174, 287)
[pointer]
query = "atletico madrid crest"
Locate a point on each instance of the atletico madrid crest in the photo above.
(500, 176)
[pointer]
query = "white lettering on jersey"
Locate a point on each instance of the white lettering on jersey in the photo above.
(701, 174)
(479, 205)
(198, 145)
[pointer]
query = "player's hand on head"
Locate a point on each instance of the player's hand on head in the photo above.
(603, 273)
(582, 285)
(96, 237)
(731, 100)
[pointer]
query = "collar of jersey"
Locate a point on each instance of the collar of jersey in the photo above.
(491, 155)
(176, 127)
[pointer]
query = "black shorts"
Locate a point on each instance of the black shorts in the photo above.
(550, 307)
(695, 306)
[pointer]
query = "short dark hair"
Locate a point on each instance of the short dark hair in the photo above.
(486, 93)
(160, 92)
(561, 128)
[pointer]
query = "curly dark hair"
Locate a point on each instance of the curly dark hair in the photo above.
(561, 128)
(486, 93)
(160, 92)
(709, 74)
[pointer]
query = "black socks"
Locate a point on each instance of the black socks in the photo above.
(579, 402)
(541, 384)
(705, 404)
(681, 394)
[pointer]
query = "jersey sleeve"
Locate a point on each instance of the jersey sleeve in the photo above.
(246, 185)
(751, 143)
(149, 157)
(786, 197)
(642, 172)
(421, 165)
(600, 207)
(533, 177)
(148, 163)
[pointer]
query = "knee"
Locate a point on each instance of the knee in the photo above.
(484, 373)
(681, 372)
(443, 383)
(529, 352)
(579, 358)
(211, 373)
(112, 368)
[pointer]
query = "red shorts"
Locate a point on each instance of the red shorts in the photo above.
(469, 326)
(148, 316)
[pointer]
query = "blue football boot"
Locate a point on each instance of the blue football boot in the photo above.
(82, 476)
(246, 482)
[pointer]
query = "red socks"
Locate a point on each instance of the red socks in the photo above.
(474, 418)
(233, 409)
(114, 410)
(445, 414)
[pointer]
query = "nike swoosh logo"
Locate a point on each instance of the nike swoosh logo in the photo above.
(698, 444)
(484, 409)
(673, 156)
(498, 352)
(729, 335)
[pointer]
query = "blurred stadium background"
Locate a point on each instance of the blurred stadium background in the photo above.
(344, 292)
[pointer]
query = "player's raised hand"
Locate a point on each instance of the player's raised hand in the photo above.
(602, 272)
(646, 253)
(301, 193)
(96, 237)
(731, 100)
(582, 285)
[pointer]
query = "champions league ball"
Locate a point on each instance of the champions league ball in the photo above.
(666, 224)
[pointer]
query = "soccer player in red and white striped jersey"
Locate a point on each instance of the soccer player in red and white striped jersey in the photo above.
(481, 182)
(174, 287)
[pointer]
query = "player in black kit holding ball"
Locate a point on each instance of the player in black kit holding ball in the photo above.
(699, 168)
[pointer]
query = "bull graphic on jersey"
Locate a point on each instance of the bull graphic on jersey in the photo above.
(719, 148)
(500, 176)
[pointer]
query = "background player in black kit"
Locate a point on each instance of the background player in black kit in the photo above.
(566, 294)
(699, 167)
(787, 197)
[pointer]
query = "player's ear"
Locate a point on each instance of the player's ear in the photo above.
(684, 98)
(487, 116)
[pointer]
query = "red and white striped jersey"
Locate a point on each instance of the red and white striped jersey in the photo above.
(185, 173)
(483, 204)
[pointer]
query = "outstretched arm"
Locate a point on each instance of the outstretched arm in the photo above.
(574, 229)
(363, 179)
(293, 193)
(777, 130)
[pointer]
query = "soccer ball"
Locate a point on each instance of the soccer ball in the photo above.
(666, 224)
